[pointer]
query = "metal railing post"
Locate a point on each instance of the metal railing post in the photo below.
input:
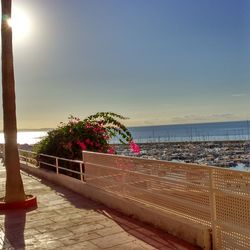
(26, 160)
(57, 170)
(212, 199)
(83, 160)
(81, 172)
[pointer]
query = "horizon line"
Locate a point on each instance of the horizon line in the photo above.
(137, 126)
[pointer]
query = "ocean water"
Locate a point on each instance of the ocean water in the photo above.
(220, 131)
(27, 137)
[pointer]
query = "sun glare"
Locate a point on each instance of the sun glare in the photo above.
(20, 23)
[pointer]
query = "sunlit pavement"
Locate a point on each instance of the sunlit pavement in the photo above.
(66, 220)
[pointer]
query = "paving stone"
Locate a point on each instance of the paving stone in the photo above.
(108, 223)
(38, 223)
(83, 228)
(135, 245)
(49, 244)
(40, 216)
(32, 243)
(83, 246)
(113, 240)
(66, 220)
(79, 238)
(54, 226)
(110, 230)
(60, 218)
(54, 235)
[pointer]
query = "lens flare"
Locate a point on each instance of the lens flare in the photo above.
(9, 22)
(20, 23)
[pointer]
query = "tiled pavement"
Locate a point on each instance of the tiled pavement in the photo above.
(66, 220)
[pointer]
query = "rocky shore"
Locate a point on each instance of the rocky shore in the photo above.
(222, 153)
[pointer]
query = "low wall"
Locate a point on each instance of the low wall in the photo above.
(195, 234)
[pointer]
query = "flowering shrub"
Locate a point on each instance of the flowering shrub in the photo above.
(92, 134)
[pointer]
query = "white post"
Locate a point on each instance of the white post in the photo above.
(57, 170)
(213, 209)
(85, 174)
(81, 172)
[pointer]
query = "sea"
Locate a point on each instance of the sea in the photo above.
(216, 131)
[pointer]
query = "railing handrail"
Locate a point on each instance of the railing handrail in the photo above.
(195, 165)
(27, 151)
(50, 156)
(60, 158)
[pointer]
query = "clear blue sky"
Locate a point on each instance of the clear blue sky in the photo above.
(157, 62)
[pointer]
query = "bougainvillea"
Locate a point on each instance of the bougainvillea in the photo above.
(93, 134)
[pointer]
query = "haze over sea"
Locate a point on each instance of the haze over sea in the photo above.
(218, 131)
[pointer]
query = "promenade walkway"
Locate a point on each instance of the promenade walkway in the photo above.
(66, 220)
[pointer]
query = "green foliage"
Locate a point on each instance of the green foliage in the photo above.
(92, 133)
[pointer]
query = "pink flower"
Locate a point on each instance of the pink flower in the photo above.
(88, 125)
(134, 147)
(82, 145)
(96, 129)
(111, 151)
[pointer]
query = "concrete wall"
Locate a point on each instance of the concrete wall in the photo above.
(195, 234)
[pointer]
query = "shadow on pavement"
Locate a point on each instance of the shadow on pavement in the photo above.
(146, 233)
(14, 225)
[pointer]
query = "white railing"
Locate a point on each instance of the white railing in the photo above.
(207, 196)
(43, 160)
(27, 157)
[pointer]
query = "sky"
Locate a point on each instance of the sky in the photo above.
(156, 62)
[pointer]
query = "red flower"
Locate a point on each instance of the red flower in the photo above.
(88, 125)
(89, 142)
(134, 147)
(111, 151)
(82, 145)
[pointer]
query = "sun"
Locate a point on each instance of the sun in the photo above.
(20, 23)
